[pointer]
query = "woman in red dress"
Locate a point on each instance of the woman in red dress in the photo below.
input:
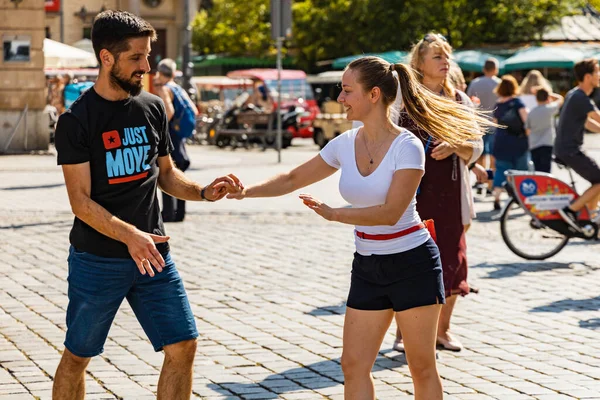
(445, 191)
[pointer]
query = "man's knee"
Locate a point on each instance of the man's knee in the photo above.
(72, 363)
(182, 351)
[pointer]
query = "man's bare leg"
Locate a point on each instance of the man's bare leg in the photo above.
(175, 381)
(69, 380)
(589, 197)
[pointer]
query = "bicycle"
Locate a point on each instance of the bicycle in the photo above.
(530, 224)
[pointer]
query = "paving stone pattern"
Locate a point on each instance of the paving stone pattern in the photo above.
(267, 280)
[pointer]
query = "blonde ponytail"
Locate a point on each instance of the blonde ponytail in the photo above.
(441, 117)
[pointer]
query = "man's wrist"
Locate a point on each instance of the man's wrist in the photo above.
(203, 194)
(127, 233)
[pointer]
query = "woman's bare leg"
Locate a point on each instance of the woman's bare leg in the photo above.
(419, 333)
(363, 334)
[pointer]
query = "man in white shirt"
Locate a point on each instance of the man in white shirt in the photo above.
(482, 88)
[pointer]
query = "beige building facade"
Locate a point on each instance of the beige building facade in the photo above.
(23, 126)
(165, 15)
(23, 26)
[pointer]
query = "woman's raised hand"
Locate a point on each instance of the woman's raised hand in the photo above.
(317, 206)
(442, 150)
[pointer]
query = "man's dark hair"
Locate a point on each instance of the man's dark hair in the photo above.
(112, 30)
(542, 95)
(491, 64)
(584, 67)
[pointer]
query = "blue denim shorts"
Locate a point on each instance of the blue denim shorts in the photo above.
(97, 287)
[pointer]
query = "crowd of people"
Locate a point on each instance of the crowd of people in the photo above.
(531, 131)
(404, 171)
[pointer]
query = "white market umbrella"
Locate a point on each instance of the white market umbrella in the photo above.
(60, 55)
(84, 44)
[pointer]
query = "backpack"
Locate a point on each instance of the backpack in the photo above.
(513, 122)
(183, 122)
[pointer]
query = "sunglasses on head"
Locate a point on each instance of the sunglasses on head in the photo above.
(432, 37)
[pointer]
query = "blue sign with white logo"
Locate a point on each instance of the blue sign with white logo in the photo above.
(528, 187)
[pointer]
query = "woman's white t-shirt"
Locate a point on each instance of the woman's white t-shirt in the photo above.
(406, 152)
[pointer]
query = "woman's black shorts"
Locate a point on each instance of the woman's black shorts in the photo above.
(399, 281)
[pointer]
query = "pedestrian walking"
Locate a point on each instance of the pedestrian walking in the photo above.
(179, 108)
(511, 147)
(445, 192)
(541, 129)
(482, 91)
(113, 145)
(396, 268)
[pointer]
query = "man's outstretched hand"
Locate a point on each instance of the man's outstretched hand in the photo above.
(218, 188)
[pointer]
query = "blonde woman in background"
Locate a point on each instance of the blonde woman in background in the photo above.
(445, 192)
(532, 81)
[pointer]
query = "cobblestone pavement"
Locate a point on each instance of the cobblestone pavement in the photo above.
(267, 280)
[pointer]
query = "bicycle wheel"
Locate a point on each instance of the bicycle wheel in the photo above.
(527, 239)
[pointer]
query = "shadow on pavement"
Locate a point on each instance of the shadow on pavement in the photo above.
(489, 216)
(510, 270)
(21, 226)
(54, 185)
(592, 304)
(340, 309)
(319, 375)
(593, 323)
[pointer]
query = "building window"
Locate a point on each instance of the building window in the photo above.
(87, 33)
(16, 48)
(48, 34)
(152, 3)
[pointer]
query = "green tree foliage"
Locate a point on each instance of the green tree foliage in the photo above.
(236, 27)
(327, 29)
(334, 28)
(476, 22)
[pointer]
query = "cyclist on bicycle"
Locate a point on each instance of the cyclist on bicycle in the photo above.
(579, 112)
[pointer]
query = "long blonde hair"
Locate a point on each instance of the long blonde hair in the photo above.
(431, 42)
(532, 79)
(441, 117)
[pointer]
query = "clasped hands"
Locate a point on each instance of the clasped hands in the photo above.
(220, 187)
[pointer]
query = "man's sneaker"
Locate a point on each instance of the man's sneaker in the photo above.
(570, 217)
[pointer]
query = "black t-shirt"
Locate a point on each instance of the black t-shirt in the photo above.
(571, 123)
(122, 141)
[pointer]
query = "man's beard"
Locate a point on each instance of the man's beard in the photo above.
(128, 85)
